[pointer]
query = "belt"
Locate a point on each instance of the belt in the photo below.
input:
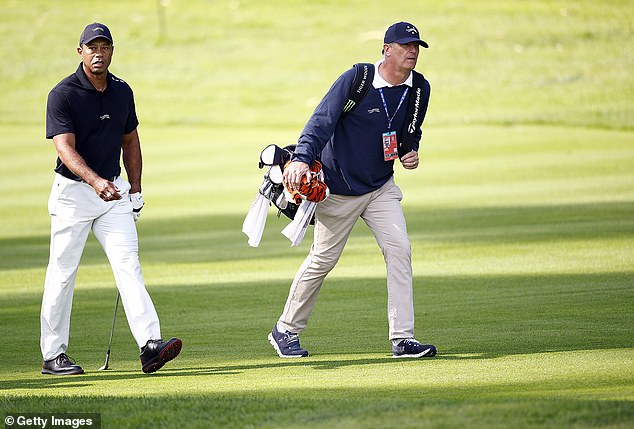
(78, 179)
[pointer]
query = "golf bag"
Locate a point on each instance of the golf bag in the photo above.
(272, 188)
(300, 208)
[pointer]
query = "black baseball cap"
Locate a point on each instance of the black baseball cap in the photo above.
(94, 31)
(403, 33)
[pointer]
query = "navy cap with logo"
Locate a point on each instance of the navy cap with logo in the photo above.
(403, 33)
(94, 31)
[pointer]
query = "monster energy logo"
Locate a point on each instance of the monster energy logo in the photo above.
(351, 103)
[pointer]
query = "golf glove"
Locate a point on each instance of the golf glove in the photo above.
(137, 205)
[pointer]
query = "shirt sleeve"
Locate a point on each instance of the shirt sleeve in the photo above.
(132, 121)
(58, 115)
(321, 125)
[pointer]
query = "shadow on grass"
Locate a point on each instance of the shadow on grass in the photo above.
(49, 381)
(527, 407)
(219, 237)
(466, 317)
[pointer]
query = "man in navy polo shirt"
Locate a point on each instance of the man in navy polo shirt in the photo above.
(90, 116)
(357, 152)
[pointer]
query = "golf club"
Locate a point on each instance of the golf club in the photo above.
(114, 317)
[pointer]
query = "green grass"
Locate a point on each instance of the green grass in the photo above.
(521, 218)
(248, 63)
(524, 284)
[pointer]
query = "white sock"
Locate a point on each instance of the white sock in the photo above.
(279, 328)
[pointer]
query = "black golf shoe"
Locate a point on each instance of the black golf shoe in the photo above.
(157, 353)
(61, 365)
(410, 348)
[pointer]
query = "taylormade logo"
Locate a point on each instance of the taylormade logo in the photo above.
(364, 80)
(412, 126)
(106, 116)
(412, 30)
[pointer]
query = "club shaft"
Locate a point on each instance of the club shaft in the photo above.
(114, 318)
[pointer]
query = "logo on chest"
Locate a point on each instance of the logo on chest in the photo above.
(106, 116)
(375, 110)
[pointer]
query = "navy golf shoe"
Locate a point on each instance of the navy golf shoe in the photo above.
(286, 344)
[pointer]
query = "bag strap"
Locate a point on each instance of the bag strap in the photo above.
(363, 76)
(416, 110)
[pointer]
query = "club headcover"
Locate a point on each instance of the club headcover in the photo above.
(274, 155)
(313, 190)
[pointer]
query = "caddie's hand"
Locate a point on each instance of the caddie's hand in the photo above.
(106, 190)
(293, 174)
(137, 205)
(410, 160)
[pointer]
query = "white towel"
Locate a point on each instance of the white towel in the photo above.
(253, 225)
(296, 230)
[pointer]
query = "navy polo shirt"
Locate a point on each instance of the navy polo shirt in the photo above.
(98, 119)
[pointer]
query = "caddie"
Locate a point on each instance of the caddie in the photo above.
(358, 141)
(91, 118)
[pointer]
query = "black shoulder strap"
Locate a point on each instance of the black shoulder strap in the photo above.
(416, 110)
(363, 76)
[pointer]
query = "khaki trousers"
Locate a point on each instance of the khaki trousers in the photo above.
(335, 217)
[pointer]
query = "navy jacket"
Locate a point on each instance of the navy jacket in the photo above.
(351, 147)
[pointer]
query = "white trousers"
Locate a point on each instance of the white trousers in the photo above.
(75, 209)
(335, 217)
